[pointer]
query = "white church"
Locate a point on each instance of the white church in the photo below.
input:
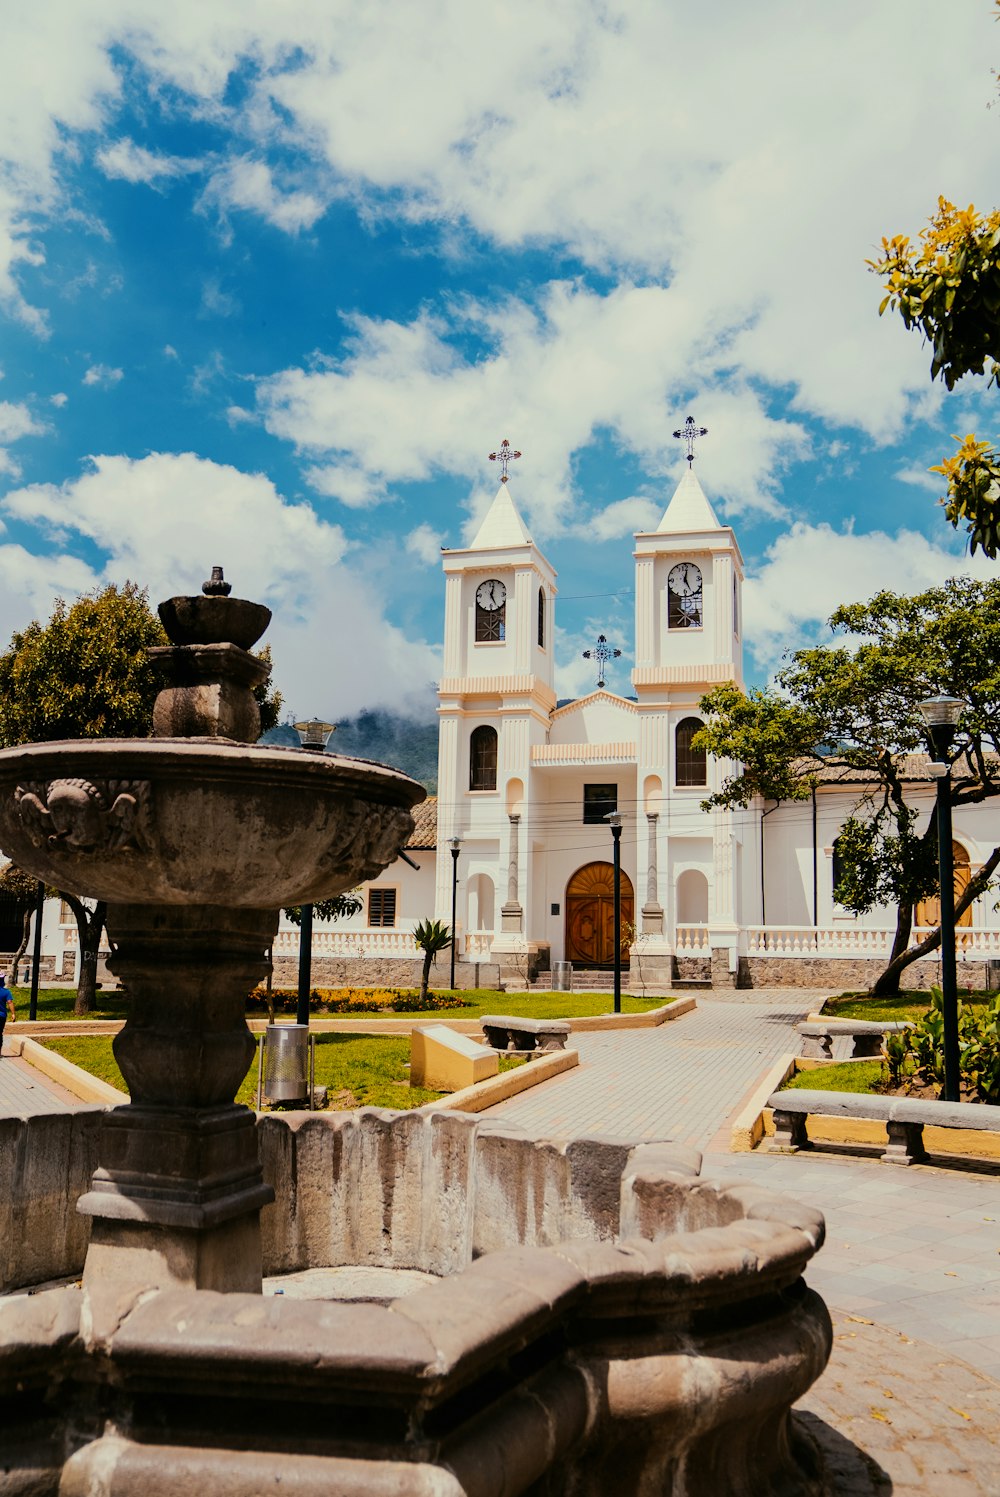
(518, 842)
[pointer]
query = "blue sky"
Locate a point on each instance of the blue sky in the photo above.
(275, 279)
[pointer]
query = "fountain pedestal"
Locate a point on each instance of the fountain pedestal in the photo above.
(177, 1197)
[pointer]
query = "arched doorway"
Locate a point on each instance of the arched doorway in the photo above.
(590, 915)
(928, 911)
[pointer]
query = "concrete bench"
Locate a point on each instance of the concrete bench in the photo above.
(904, 1117)
(542, 1035)
(818, 1036)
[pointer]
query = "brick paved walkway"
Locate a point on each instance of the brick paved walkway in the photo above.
(910, 1404)
(25, 1092)
(680, 1081)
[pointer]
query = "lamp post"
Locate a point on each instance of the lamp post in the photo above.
(313, 735)
(454, 843)
(614, 818)
(940, 716)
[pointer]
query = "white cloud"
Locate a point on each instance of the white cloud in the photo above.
(133, 163)
(59, 399)
(216, 302)
(9, 464)
(404, 402)
(248, 185)
(920, 478)
(624, 518)
(166, 519)
(350, 484)
(236, 415)
(425, 543)
(16, 421)
(102, 375)
(811, 569)
(170, 352)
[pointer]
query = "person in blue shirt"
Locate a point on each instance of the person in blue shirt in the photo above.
(6, 1005)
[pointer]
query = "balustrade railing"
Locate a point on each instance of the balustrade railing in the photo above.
(376, 942)
(692, 940)
(808, 940)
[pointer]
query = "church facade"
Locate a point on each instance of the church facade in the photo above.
(517, 849)
(519, 840)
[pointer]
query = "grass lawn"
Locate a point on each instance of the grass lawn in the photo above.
(479, 1001)
(57, 1003)
(912, 1003)
(850, 1076)
(363, 1070)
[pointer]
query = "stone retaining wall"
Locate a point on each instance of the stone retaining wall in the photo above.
(840, 972)
(383, 972)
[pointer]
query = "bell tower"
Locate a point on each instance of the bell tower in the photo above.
(494, 701)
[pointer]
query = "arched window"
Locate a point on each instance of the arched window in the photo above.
(692, 763)
(541, 618)
(483, 759)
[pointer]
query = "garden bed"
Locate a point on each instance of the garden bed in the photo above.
(357, 1070)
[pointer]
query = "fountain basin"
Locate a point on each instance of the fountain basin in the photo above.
(604, 1321)
(183, 821)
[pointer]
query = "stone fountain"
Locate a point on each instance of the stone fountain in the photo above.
(589, 1317)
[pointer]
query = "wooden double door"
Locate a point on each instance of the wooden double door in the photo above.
(590, 915)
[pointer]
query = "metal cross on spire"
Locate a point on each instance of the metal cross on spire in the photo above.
(690, 433)
(504, 455)
(602, 653)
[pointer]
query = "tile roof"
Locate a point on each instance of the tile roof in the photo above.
(425, 817)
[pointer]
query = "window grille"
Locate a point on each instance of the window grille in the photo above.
(381, 906)
(483, 759)
(692, 763)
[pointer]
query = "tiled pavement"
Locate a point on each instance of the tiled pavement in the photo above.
(910, 1403)
(25, 1092)
(679, 1081)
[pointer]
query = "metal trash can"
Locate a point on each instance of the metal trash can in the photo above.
(562, 977)
(286, 1062)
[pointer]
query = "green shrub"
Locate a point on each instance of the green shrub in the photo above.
(355, 1001)
(919, 1051)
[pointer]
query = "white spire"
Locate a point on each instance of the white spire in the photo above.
(502, 525)
(689, 509)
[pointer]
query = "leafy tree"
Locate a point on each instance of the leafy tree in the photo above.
(87, 674)
(430, 937)
(340, 908)
(850, 714)
(948, 287)
(24, 887)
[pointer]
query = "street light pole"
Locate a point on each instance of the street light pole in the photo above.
(940, 715)
(615, 819)
(454, 843)
(313, 736)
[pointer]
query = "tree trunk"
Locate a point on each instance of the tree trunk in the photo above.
(19, 953)
(889, 981)
(425, 975)
(90, 928)
(972, 891)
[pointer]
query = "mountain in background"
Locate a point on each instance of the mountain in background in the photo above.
(385, 736)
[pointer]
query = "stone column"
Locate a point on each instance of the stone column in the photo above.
(511, 914)
(652, 910)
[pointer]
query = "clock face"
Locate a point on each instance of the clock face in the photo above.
(491, 595)
(684, 596)
(684, 579)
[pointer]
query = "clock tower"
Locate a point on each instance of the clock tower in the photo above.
(688, 639)
(494, 702)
